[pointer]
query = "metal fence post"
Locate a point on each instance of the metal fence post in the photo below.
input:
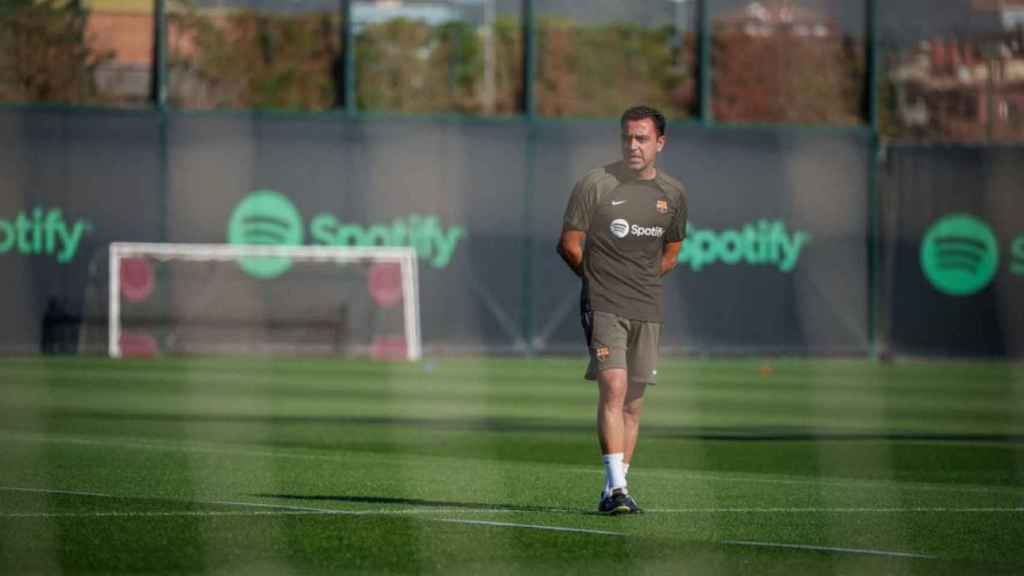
(158, 82)
(874, 241)
(159, 100)
(704, 69)
(529, 111)
(348, 77)
(529, 59)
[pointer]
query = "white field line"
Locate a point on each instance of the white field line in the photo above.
(253, 513)
(866, 551)
(388, 512)
(178, 513)
(910, 510)
(282, 510)
(242, 513)
(256, 505)
(276, 510)
(49, 491)
(197, 448)
(529, 526)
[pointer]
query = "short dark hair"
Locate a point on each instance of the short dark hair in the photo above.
(640, 112)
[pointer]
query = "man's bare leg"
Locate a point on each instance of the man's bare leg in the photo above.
(631, 408)
(611, 424)
(610, 432)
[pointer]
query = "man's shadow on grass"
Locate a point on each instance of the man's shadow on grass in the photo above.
(420, 503)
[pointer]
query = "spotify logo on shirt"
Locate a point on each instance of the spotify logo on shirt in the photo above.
(620, 228)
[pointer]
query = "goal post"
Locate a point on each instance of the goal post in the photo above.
(124, 254)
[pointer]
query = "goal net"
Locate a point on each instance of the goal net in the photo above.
(216, 299)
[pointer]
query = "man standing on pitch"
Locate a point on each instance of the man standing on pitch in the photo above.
(622, 232)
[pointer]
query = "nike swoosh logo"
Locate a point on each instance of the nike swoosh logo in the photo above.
(617, 202)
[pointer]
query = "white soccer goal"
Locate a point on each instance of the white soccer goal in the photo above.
(244, 299)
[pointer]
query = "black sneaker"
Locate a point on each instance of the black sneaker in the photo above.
(633, 507)
(618, 502)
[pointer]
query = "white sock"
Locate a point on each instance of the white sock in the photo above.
(608, 484)
(615, 475)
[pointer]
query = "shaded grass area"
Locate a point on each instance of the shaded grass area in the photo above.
(484, 465)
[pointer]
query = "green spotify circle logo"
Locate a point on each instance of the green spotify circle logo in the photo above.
(265, 218)
(959, 255)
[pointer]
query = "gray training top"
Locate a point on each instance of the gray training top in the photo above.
(627, 222)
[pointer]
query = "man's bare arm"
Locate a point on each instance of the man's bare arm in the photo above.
(670, 257)
(570, 248)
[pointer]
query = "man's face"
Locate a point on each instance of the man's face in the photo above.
(640, 145)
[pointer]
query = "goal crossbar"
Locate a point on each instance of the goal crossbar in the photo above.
(404, 256)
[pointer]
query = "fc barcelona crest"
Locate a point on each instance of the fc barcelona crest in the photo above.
(662, 207)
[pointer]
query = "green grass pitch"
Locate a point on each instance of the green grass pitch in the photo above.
(490, 466)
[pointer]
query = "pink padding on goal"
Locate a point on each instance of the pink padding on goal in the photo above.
(138, 345)
(385, 284)
(136, 279)
(389, 348)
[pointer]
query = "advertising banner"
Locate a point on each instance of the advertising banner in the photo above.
(70, 183)
(451, 191)
(775, 260)
(953, 252)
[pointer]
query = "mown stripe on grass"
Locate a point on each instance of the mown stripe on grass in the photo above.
(739, 478)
